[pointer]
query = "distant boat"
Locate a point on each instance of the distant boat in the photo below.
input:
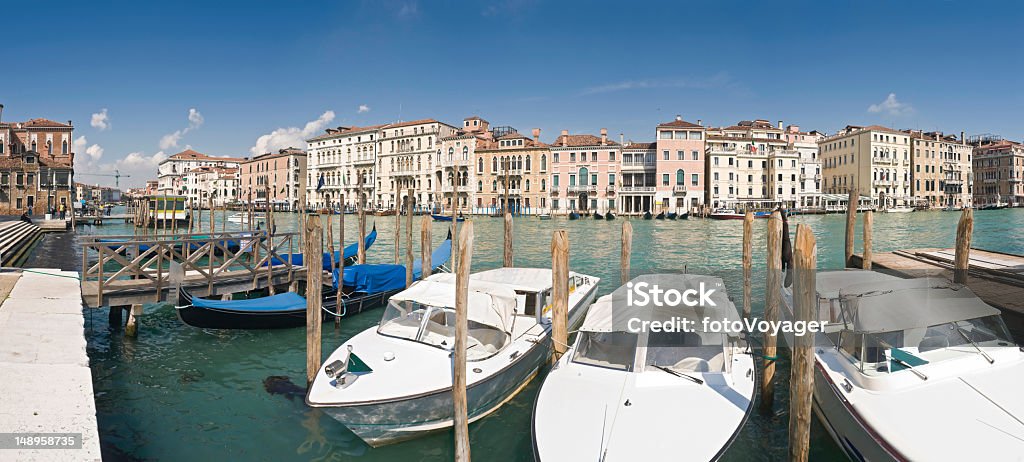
(544, 216)
(996, 206)
(725, 214)
(684, 216)
(438, 217)
(243, 217)
(660, 216)
(392, 382)
(598, 216)
(951, 208)
(609, 216)
(574, 216)
(363, 287)
(647, 215)
(763, 214)
(672, 215)
(899, 209)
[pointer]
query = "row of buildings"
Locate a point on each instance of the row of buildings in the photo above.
(476, 167)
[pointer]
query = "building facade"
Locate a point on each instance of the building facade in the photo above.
(940, 170)
(681, 183)
(278, 177)
(584, 170)
(36, 165)
(221, 184)
(751, 165)
(637, 185)
(408, 153)
(457, 167)
(806, 145)
(172, 171)
(511, 174)
(874, 159)
(335, 163)
(998, 170)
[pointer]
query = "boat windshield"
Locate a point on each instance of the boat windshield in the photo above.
(684, 352)
(924, 345)
(435, 326)
(613, 350)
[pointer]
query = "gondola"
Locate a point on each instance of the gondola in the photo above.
(660, 216)
(363, 287)
(349, 256)
(609, 216)
(574, 216)
(598, 216)
(439, 217)
(684, 216)
(647, 215)
(672, 215)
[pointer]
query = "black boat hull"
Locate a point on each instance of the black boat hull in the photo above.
(208, 318)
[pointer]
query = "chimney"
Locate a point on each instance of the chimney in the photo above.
(780, 125)
(622, 139)
(69, 122)
(679, 118)
(536, 134)
(604, 136)
(962, 138)
(565, 138)
(700, 122)
(1, 112)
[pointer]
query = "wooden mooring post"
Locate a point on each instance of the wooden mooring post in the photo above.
(559, 293)
(398, 233)
(408, 239)
(455, 227)
(772, 298)
(801, 381)
(361, 254)
(459, 399)
(748, 260)
(869, 222)
(627, 251)
(132, 328)
(425, 247)
(507, 260)
(314, 259)
(330, 242)
(851, 221)
(962, 257)
(341, 260)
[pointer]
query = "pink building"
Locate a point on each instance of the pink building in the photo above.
(584, 171)
(679, 156)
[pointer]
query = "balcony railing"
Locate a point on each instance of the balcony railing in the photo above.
(589, 189)
(679, 189)
(637, 189)
(449, 188)
(884, 160)
(638, 163)
(363, 161)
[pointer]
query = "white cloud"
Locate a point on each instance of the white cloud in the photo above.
(100, 120)
(287, 137)
(408, 10)
(718, 80)
(891, 106)
(170, 140)
(81, 146)
(363, 109)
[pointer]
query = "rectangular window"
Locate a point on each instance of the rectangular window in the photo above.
(572, 180)
(680, 155)
(714, 160)
(696, 155)
(593, 179)
(695, 135)
(554, 181)
(665, 135)
(555, 158)
(664, 179)
(611, 179)
(554, 204)
(680, 135)
(664, 155)
(572, 156)
(611, 156)
(693, 179)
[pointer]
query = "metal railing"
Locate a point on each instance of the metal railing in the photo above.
(637, 189)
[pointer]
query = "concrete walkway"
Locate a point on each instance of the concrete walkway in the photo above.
(45, 381)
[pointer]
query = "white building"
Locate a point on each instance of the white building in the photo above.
(874, 159)
(171, 172)
(221, 183)
(340, 157)
(408, 153)
(806, 144)
(751, 165)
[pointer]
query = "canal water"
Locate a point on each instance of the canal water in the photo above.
(181, 393)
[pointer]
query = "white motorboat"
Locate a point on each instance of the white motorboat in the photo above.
(899, 209)
(393, 382)
(243, 218)
(623, 396)
(914, 369)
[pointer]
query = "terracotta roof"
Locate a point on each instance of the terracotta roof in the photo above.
(189, 154)
(744, 138)
(411, 122)
(345, 131)
(636, 145)
(580, 141)
(10, 162)
(679, 123)
(40, 122)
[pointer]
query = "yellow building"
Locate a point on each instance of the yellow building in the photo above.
(874, 159)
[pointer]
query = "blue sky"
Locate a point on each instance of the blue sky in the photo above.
(218, 76)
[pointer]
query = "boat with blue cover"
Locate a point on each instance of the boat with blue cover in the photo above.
(439, 217)
(363, 287)
(348, 255)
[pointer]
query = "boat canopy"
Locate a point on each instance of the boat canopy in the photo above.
(532, 279)
(614, 314)
(374, 278)
(901, 304)
(488, 304)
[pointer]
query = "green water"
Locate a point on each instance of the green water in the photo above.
(180, 393)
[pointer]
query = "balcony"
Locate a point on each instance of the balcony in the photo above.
(609, 190)
(638, 189)
(450, 188)
(363, 161)
(554, 191)
(638, 165)
(805, 177)
(1014, 179)
(883, 160)
(991, 180)
(589, 189)
(679, 190)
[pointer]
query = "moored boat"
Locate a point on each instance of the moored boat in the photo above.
(909, 369)
(348, 255)
(647, 215)
(899, 209)
(598, 216)
(439, 217)
(574, 216)
(544, 216)
(620, 395)
(660, 216)
(609, 216)
(392, 382)
(672, 215)
(725, 214)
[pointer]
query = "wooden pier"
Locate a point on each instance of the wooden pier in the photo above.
(127, 270)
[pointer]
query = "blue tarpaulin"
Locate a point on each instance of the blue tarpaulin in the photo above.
(280, 302)
(350, 252)
(373, 279)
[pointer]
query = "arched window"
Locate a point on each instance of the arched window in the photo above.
(543, 184)
(494, 165)
(49, 147)
(465, 153)
(494, 185)
(528, 163)
(680, 177)
(480, 165)
(34, 146)
(527, 185)
(451, 154)
(479, 186)
(584, 176)
(543, 162)
(519, 162)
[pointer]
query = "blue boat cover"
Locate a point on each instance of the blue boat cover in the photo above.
(288, 301)
(379, 278)
(350, 252)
